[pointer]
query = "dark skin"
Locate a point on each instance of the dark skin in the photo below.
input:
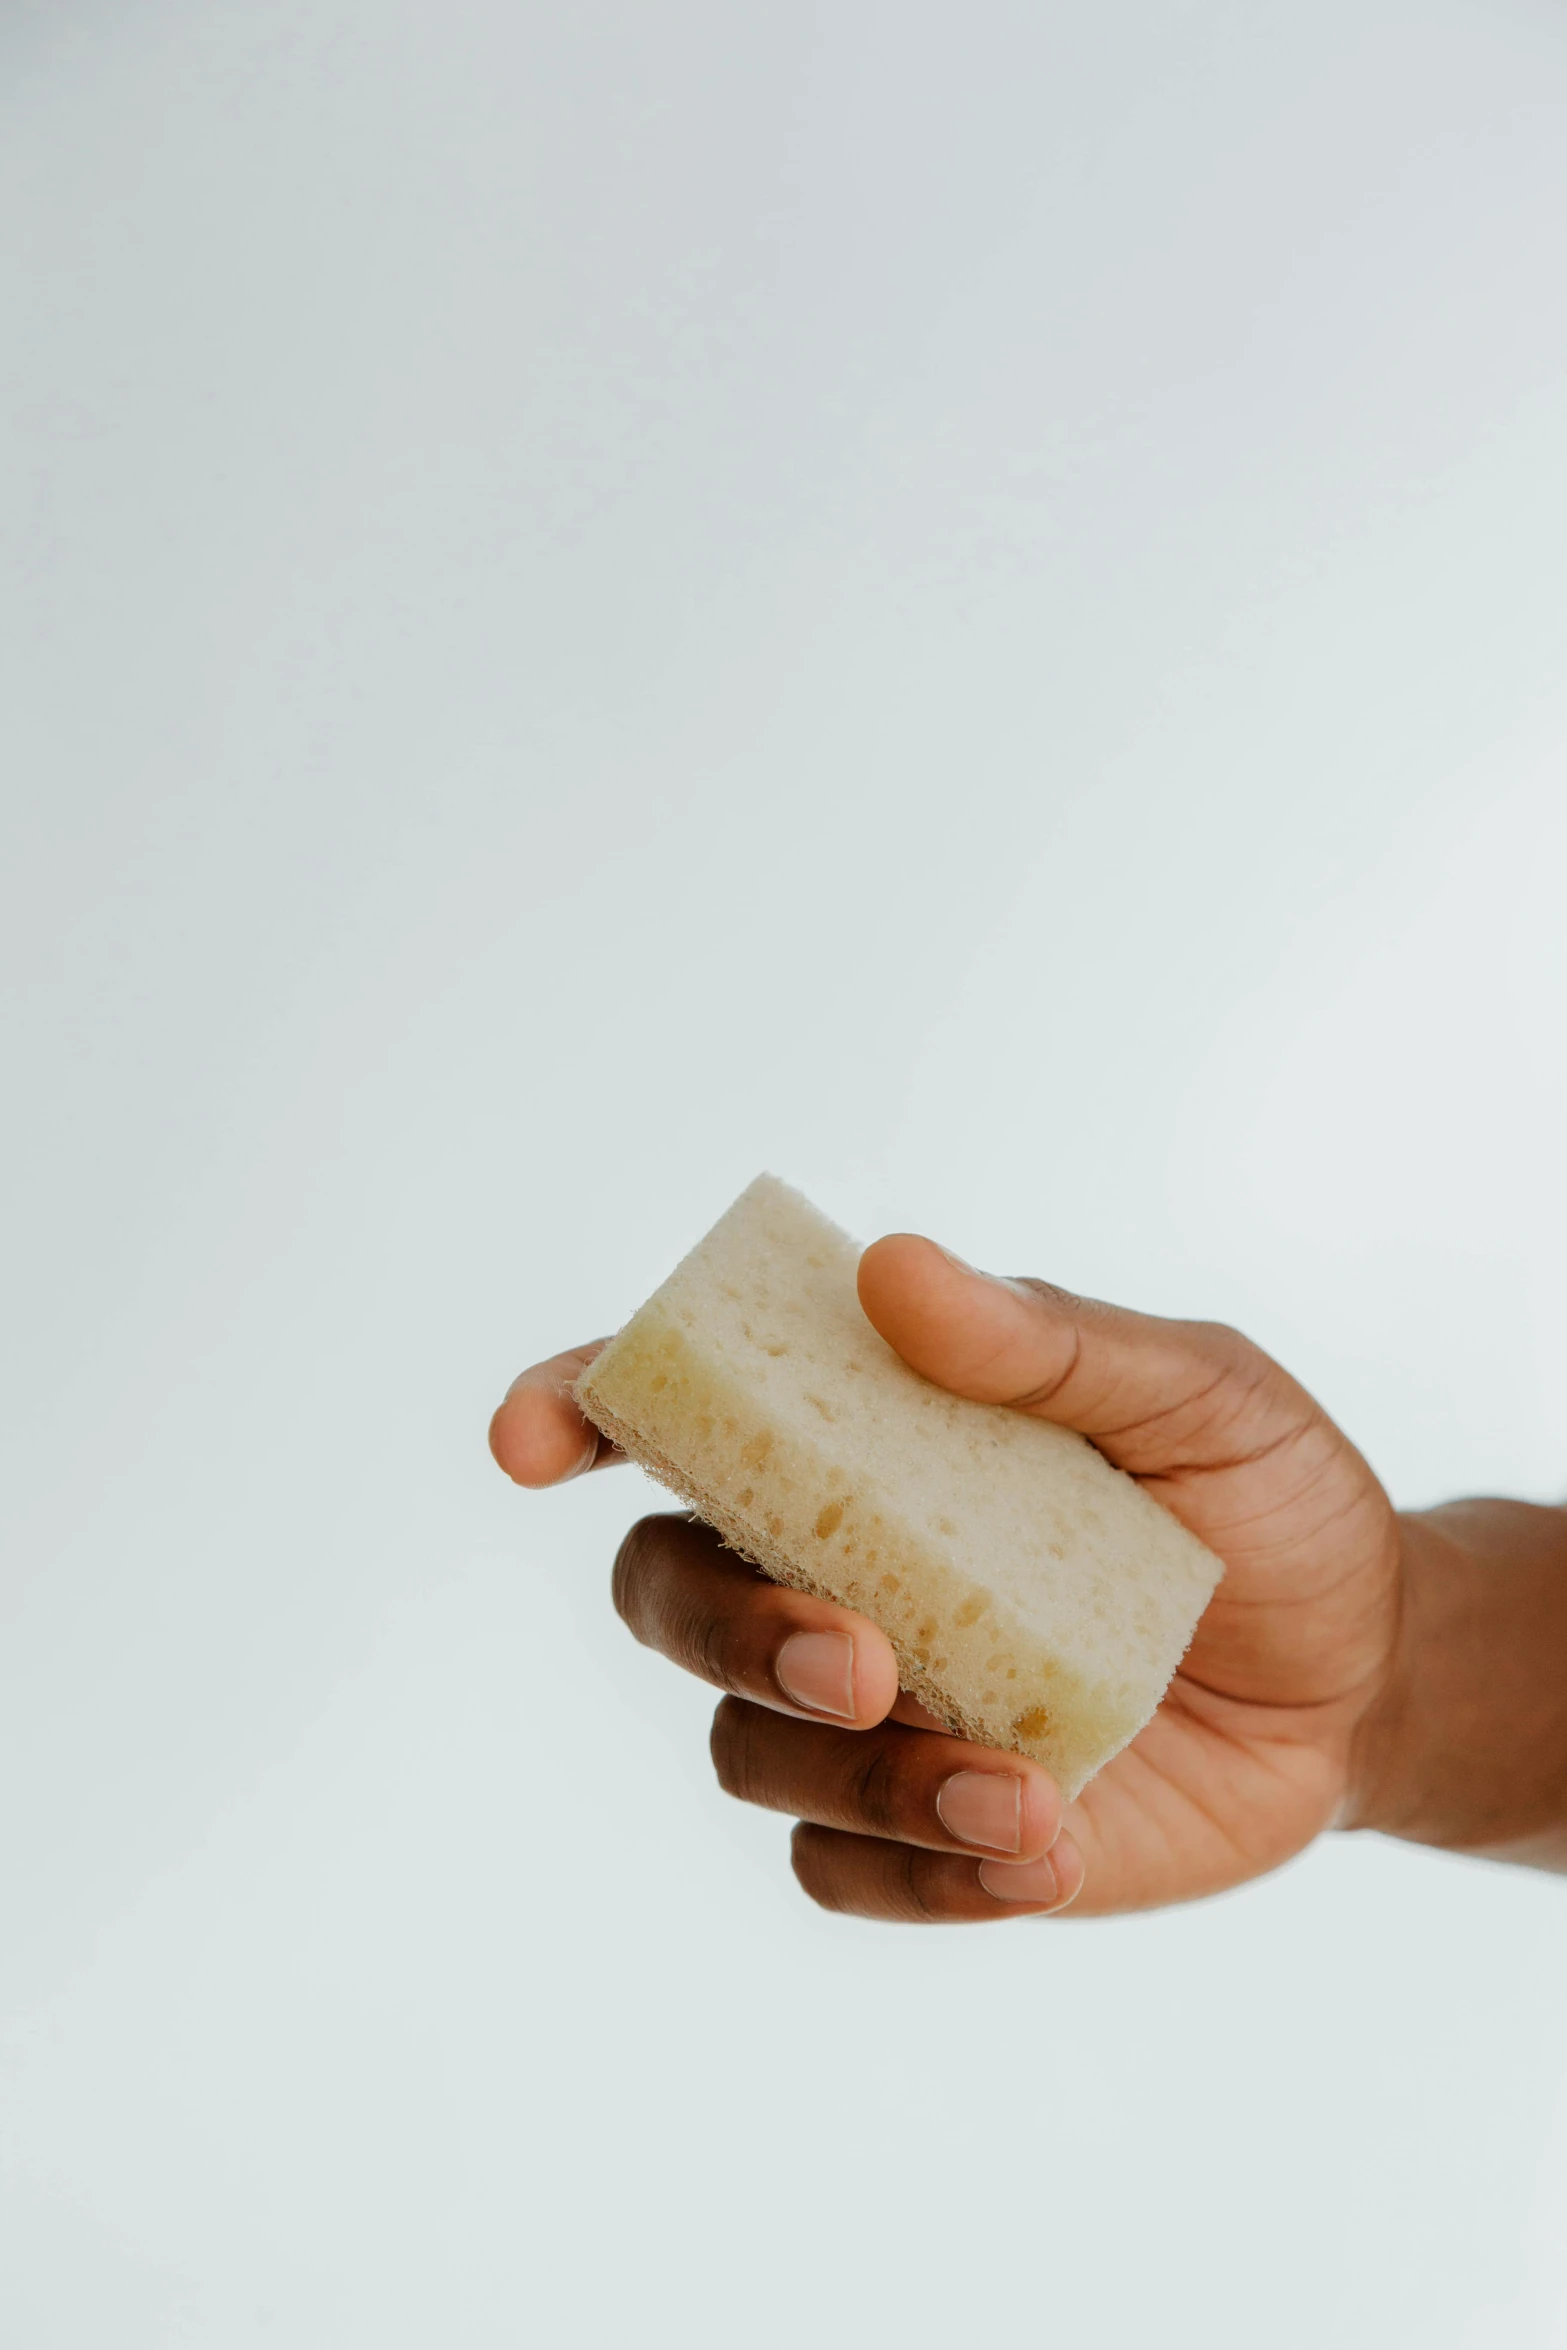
(1355, 1668)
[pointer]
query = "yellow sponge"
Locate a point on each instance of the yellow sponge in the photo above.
(1038, 1600)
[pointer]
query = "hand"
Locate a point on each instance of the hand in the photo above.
(1253, 1751)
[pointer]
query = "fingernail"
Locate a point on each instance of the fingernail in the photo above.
(585, 1459)
(953, 1258)
(978, 1273)
(1022, 1880)
(816, 1669)
(983, 1807)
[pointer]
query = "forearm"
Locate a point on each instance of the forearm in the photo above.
(1466, 1745)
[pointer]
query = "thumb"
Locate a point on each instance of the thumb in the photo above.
(1156, 1396)
(1209, 1425)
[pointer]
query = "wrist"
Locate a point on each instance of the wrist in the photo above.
(1463, 1744)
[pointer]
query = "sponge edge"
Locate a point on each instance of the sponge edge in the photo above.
(1037, 1599)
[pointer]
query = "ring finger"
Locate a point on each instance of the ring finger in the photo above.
(909, 1786)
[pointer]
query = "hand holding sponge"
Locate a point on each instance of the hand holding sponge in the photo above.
(1037, 1599)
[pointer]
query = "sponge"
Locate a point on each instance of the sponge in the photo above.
(1038, 1600)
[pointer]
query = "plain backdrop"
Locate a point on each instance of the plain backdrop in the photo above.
(964, 603)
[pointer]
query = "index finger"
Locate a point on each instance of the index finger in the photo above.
(538, 1435)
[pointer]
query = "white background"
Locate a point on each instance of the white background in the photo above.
(965, 603)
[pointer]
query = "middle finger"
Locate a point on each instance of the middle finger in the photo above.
(912, 1786)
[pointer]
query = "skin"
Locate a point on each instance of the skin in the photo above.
(1355, 1668)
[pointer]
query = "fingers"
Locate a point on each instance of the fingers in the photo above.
(907, 1785)
(1154, 1395)
(972, 1834)
(538, 1436)
(682, 1593)
(813, 1736)
(903, 1884)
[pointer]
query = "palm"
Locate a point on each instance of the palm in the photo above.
(1245, 1761)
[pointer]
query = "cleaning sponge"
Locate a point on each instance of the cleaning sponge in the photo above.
(1037, 1599)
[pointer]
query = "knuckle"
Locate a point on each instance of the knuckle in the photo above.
(1232, 1350)
(807, 1857)
(631, 1575)
(875, 1790)
(1066, 1301)
(847, 1875)
(731, 1744)
(667, 1606)
(915, 1888)
(1248, 1389)
(707, 1645)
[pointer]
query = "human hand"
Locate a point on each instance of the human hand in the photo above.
(1252, 1752)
